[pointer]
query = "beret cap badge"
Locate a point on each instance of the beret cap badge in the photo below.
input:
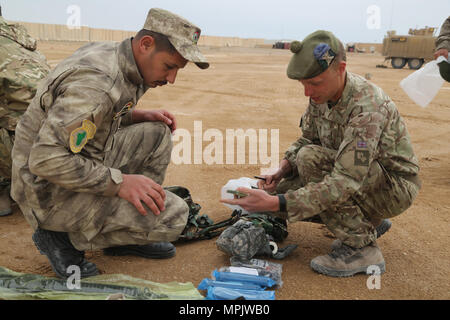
(324, 55)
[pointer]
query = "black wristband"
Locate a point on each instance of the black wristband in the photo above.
(283, 205)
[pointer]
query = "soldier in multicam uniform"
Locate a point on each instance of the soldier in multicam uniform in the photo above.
(353, 167)
(443, 40)
(81, 182)
(21, 68)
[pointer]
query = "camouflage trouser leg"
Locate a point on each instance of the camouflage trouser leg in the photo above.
(382, 196)
(291, 183)
(6, 145)
(111, 221)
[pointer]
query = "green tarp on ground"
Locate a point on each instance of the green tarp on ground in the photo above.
(21, 286)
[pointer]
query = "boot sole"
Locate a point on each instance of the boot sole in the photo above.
(136, 252)
(43, 249)
(345, 273)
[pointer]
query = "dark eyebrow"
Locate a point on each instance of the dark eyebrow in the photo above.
(171, 66)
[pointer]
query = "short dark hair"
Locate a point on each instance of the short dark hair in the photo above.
(340, 56)
(161, 41)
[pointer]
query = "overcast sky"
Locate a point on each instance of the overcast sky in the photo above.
(350, 20)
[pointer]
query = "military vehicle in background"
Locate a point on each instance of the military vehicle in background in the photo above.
(285, 44)
(415, 48)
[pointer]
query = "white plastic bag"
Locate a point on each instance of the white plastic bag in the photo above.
(233, 185)
(423, 85)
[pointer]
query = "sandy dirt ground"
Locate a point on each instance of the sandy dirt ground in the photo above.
(248, 88)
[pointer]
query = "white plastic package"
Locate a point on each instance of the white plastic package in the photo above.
(423, 85)
(233, 185)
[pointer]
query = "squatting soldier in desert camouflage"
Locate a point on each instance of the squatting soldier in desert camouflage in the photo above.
(80, 181)
(21, 68)
(353, 166)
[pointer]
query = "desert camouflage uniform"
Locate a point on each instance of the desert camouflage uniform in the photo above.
(443, 40)
(353, 166)
(63, 190)
(21, 68)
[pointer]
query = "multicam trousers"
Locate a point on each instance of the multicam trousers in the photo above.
(10, 113)
(6, 145)
(382, 196)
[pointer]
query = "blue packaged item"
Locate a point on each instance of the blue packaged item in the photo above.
(265, 282)
(219, 293)
(264, 268)
(228, 284)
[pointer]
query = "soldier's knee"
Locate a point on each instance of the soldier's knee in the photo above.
(158, 128)
(308, 156)
(309, 153)
(177, 205)
(160, 132)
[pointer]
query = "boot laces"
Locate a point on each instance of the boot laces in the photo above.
(342, 251)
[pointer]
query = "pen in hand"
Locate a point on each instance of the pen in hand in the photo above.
(260, 178)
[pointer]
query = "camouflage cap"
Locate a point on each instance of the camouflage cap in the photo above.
(313, 56)
(182, 34)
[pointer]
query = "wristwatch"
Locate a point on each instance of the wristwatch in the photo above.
(283, 207)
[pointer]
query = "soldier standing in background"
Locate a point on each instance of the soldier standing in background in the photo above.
(353, 167)
(442, 49)
(21, 69)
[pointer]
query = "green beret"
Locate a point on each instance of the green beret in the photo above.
(313, 56)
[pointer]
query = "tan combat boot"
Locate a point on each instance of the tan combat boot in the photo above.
(5, 203)
(346, 261)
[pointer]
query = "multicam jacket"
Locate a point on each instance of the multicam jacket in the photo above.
(443, 40)
(21, 69)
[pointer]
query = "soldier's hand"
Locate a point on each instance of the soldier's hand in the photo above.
(441, 52)
(143, 115)
(271, 182)
(256, 201)
(138, 189)
(166, 117)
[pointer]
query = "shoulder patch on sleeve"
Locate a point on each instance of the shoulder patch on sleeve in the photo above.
(80, 136)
